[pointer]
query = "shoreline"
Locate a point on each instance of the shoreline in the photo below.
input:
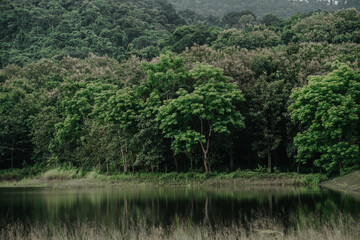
(349, 183)
(59, 178)
(75, 178)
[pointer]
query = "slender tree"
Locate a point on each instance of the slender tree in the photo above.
(195, 117)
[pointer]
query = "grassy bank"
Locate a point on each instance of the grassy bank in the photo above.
(263, 228)
(71, 177)
(349, 183)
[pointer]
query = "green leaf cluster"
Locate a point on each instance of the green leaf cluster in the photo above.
(327, 110)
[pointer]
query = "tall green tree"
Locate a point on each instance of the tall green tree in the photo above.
(149, 140)
(164, 78)
(267, 103)
(17, 106)
(327, 110)
(195, 117)
(122, 109)
(77, 105)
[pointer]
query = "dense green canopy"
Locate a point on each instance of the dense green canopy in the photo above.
(136, 85)
(328, 110)
(282, 8)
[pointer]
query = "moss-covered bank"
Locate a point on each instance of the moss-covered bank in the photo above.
(60, 177)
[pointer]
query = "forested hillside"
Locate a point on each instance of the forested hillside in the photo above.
(136, 86)
(282, 8)
(31, 30)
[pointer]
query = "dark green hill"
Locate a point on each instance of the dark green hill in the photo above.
(282, 8)
(34, 29)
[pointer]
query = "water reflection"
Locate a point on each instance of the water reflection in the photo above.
(163, 206)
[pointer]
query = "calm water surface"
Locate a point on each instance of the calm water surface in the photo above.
(163, 206)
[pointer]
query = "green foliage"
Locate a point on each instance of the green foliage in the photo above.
(151, 146)
(261, 169)
(313, 179)
(234, 19)
(267, 105)
(61, 174)
(171, 112)
(192, 117)
(17, 174)
(17, 105)
(77, 28)
(328, 111)
(165, 77)
(341, 26)
(282, 8)
(119, 29)
(76, 105)
(250, 38)
(122, 108)
(272, 20)
(12, 174)
(187, 36)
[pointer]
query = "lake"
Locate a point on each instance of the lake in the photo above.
(163, 206)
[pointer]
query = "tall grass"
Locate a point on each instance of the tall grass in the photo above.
(264, 228)
(61, 174)
(66, 175)
(12, 174)
(213, 178)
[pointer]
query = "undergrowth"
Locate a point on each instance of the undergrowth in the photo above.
(213, 178)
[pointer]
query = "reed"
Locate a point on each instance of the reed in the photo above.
(263, 228)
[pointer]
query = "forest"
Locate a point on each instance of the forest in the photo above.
(281, 8)
(128, 86)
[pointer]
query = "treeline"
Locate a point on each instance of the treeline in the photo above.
(35, 29)
(224, 99)
(282, 8)
(32, 29)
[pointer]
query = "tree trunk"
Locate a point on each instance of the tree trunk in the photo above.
(205, 163)
(191, 165)
(107, 167)
(231, 155)
(12, 152)
(124, 157)
(269, 160)
(165, 168)
(191, 161)
(205, 151)
(99, 165)
(298, 168)
(132, 163)
(341, 165)
(125, 163)
(176, 163)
